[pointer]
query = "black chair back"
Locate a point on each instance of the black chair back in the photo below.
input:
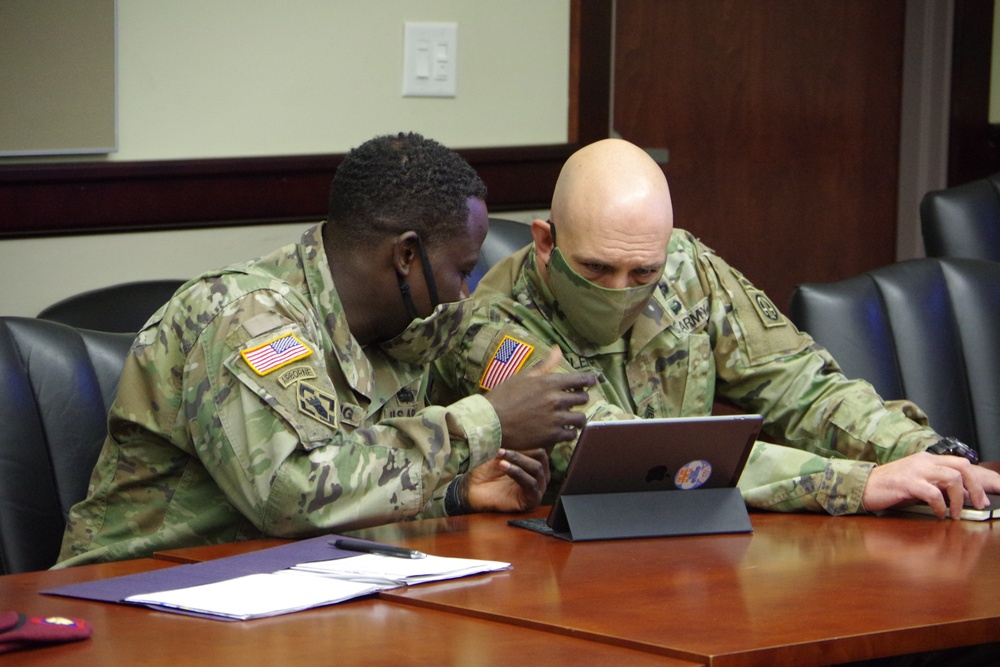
(56, 387)
(963, 221)
(123, 308)
(504, 238)
(927, 330)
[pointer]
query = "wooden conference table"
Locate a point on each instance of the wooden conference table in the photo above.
(800, 590)
(366, 632)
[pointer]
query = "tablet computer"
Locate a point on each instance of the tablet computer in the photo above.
(643, 455)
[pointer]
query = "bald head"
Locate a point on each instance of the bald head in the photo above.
(611, 209)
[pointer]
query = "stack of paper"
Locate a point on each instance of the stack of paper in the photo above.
(256, 595)
(303, 584)
(387, 571)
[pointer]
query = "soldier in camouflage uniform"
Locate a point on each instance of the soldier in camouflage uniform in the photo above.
(286, 396)
(669, 328)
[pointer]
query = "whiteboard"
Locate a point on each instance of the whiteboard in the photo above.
(58, 83)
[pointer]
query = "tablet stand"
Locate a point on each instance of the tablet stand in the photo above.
(608, 516)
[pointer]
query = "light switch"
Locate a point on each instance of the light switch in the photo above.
(430, 59)
(423, 56)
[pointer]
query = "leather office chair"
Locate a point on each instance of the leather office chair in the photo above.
(504, 238)
(124, 307)
(925, 329)
(56, 387)
(963, 221)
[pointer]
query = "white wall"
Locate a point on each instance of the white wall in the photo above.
(234, 78)
(225, 78)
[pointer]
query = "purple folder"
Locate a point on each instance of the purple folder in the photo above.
(283, 557)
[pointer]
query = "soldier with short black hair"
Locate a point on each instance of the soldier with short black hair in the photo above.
(286, 396)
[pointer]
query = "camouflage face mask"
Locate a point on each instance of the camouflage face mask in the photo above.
(599, 314)
(427, 338)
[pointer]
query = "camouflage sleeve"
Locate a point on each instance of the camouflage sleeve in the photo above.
(480, 438)
(766, 365)
(788, 480)
(290, 454)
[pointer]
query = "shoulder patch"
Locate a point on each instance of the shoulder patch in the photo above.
(318, 404)
(763, 332)
(768, 313)
(766, 310)
(506, 361)
(275, 353)
(296, 373)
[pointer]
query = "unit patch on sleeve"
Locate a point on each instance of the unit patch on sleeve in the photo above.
(317, 404)
(506, 361)
(275, 353)
(766, 310)
(769, 315)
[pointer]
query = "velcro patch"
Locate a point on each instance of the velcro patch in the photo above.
(296, 373)
(510, 355)
(317, 404)
(351, 414)
(769, 315)
(275, 353)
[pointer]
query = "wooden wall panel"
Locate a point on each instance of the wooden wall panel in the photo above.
(39, 200)
(781, 118)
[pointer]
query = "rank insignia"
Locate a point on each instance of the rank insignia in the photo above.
(506, 361)
(275, 353)
(317, 404)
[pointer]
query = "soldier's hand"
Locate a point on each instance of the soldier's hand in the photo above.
(509, 482)
(941, 481)
(535, 407)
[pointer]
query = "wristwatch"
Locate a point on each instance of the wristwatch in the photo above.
(452, 500)
(954, 447)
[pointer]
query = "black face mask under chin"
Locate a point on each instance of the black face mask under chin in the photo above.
(404, 288)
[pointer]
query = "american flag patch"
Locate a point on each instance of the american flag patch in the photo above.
(275, 353)
(508, 359)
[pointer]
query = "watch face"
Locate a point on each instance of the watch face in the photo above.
(953, 447)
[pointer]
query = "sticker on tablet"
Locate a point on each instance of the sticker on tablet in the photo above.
(692, 475)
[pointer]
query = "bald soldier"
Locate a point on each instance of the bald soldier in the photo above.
(286, 396)
(668, 327)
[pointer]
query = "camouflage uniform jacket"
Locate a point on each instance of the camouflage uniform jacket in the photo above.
(218, 434)
(707, 334)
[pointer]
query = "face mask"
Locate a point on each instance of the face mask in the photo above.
(599, 314)
(428, 338)
(404, 287)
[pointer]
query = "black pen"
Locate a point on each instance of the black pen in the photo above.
(362, 546)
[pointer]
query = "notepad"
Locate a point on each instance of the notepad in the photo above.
(256, 595)
(968, 513)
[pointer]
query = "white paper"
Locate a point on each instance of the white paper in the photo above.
(389, 570)
(257, 595)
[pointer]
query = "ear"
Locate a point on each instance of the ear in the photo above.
(405, 252)
(541, 233)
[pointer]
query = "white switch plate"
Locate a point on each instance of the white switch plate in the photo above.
(430, 52)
